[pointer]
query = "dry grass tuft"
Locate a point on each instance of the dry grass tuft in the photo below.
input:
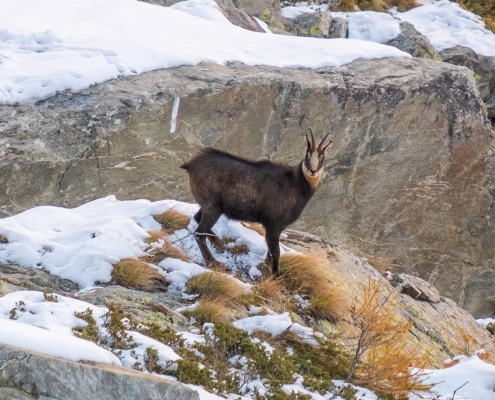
(167, 250)
(269, 292)
(255, 227)
(310, 275)
(3, 239)
(172, 220)
(239, 249)
(304, 273)
(137, 274)
(155, 236)
(209, 310)
(215, 286)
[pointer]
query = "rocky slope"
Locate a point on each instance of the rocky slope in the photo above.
(441, 328)
(409, 182)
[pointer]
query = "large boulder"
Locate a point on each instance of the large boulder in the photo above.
(409, 181)
(413, 42)
(26, 375)
(484, 72)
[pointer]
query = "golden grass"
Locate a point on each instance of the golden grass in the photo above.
(155, 236)
(3, 239)
(310, 275)
(215, 286)
(137, 274)
(172, 220)
(167, 250)
(239, 249)
(484, 8)
(255, 227)
(269, 292)
(209, 310)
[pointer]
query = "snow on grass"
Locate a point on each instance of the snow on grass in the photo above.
(275, 325)
(74, 44)
(46, 327)
(82, 243)
(447, 25)
(485, 321)
(33, 338)
(480, 375)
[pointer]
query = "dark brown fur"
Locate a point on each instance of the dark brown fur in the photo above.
(272, 194)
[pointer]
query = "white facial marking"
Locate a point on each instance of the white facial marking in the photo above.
(314, 161)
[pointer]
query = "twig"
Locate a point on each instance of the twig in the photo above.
(455, 391)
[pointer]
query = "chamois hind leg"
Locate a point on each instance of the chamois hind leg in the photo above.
(272, 241)
(214, 239)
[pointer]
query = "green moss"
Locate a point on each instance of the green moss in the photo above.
(347, 393)
(89, 331)
(151, 360)
(315, 30)
(491, 328)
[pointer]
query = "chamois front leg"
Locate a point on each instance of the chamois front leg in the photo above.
(214, 239)
(272, 241)
(208, 216)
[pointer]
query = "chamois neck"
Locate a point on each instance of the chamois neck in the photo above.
(303, 182)
(312, 181)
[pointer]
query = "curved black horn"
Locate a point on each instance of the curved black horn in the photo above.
(322, 140)
(312, 138)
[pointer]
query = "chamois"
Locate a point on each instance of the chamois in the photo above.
(272, 194)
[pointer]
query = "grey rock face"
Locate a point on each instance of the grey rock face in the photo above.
(416, 288)
(483, 68)
(311, 24)
(409, 180)
(413, 42)
(27, 375)
(143, 306)
(338, 28)
(14, 278)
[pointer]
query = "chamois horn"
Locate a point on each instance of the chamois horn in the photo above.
(312, 138)
(321, 143)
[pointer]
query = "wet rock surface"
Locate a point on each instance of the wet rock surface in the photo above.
(409, 182)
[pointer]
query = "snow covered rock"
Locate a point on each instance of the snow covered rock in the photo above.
(483, 68)
(310, 24)
(413, 42)
(29, 375)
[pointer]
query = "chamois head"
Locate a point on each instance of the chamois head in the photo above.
(313, 162)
